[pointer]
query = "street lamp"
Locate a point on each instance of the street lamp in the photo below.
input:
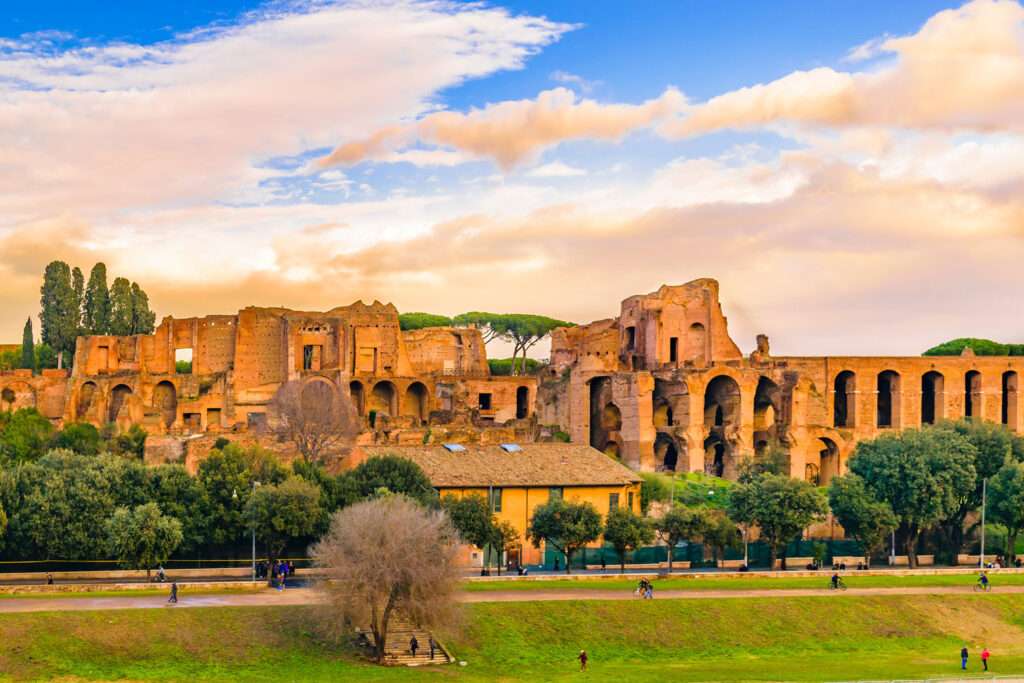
(981, 558)
(253, 520)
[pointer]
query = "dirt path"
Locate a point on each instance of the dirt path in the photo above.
(300, 596)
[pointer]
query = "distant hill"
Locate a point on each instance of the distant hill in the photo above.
(981, 347)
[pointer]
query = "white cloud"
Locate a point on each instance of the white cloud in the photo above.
(555, 169)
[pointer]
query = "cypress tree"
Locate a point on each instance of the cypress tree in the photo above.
(121, 309)
(96, 304)
(78, 285)
(60, 313)
(143, 319)
(28, 348)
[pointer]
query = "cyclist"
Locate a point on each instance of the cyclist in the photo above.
(983, 581)
(836, 581)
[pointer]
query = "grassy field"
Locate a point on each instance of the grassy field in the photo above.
(800, 639)
(750, 582)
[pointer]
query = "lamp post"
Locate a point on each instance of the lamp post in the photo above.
(981, 558)
(253, 521)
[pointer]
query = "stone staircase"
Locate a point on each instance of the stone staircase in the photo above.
(397, 653)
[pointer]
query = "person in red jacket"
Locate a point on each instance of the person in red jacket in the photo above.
(984, 658)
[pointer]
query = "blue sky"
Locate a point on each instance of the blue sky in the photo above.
(547, 156)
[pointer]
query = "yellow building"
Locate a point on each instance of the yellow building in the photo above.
(519, 477)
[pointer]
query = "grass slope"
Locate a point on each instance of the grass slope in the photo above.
(812, 639)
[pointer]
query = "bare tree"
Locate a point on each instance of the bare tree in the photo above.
(315, 417)
(389, 558)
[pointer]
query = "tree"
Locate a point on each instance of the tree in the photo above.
(780, 506)
(506, 538)
(315, 418)
(96, 303)
(625, 531)
(922, 474)
(282, 512)
(472, 517)
(1005, 504)
(28, 350)
(677, 525)
(565, 526)
(24, 435)
(128, 444)
(981, 347)
(864, 517)
(226, 484)
(993, 447)
(521, 329)
(179, 495)
(143, 537)
(389, 557)
(80, 437)
(718, 532)
(60, 313)
(772, 460)
(143, 319)
(418, 321)
(122, 311)
(391, 473)
(78, 285)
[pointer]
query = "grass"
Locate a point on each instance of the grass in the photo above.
(750, 582)
(837, 637)
(140, 593)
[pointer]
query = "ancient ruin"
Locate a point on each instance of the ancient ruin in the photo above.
(661, 387)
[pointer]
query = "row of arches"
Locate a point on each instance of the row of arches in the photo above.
(382, 398)
(889, 393)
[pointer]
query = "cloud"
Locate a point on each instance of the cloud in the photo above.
(96, 129)
(515, 131)
(555, 169)
(573, 80)
(964, 69)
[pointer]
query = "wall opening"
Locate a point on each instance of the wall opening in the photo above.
(7, 398)
(86, 397)
(932, 397)
(382, 398)
(767, 407)
(416, 401)
(630, 338)
(312, 356)
(183, 361)
(355, 390)
(483, 401)
(673, 349)
(1009, 408)
(696, 343)
(844, 404)
(118, 399)
(888, 403)
(828, 457)
(213, 418)
(666, 454)
(522, 403)
(165, 399)
(600, 395)
(973, 403)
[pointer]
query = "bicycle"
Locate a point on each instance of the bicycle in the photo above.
(838, 586)
(982, 587)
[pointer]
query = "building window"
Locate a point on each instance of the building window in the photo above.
(630, 338)
(495, 496)
(673, 349)
(484, 402)
(556, 492)
(613, 502)
(629, 500)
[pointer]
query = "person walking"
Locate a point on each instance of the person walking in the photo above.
(582, 656)
(174, 593)
(433, 647)
(413, 645)
(963, 658)
(984, 658)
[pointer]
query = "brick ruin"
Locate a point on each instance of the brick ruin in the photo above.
(662, 386)
(407, 386)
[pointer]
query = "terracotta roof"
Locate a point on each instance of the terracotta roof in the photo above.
(536, 464)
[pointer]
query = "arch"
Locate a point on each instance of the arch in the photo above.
(16, 395)
(522, 403)
(666, 454)
(358, 395)
(828, 458)
(973, 401)
(888, 404)
(696, 343)
(844, 404)
(715, 456)
(767, 405)
(1010, 414)
(932, 397)
(416, 401)
(613, 449)
(165, 399)
(611, 418)
(722, 402)
(118, 397)
(7, 398)
(86, 396)
(662, 413)
(600, 396)
(382, 398)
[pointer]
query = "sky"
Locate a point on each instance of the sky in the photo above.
(850, 172)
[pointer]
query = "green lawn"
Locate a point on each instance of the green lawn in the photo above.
(833, 637)
(750, 582)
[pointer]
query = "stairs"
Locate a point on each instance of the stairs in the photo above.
(397, 653)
